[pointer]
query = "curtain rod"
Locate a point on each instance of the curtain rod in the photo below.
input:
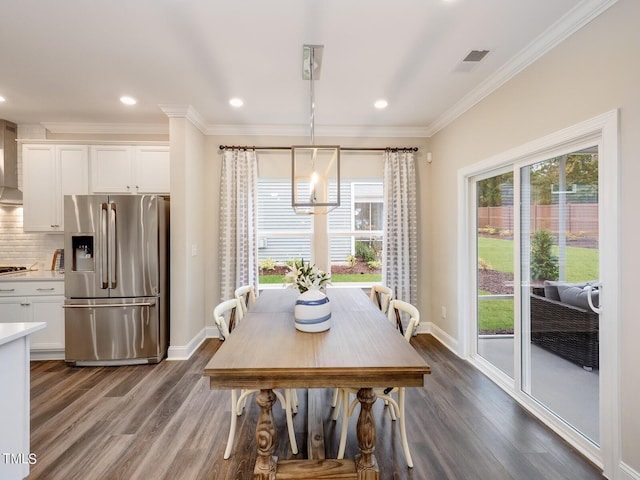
(353, 149)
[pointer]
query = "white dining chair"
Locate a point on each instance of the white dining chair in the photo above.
(381, 295)
(396, 403)
(239, 397)
(246, 294)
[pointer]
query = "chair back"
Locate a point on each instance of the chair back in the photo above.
(230, 307)
(414, 316)
(246, 295)
(381, 296)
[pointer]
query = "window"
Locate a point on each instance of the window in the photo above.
(355, 232)
(282, 235)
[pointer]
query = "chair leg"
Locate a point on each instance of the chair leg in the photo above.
(294, 400)
(338, 393)
(403, 427)
(393, 411)
(241, 401)
(344, 400)
(292, 434)
(334, 399)
(232, 427)
(281, 399)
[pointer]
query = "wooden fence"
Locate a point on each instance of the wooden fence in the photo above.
(581, 219)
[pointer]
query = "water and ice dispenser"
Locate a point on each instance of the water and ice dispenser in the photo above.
(83, 254)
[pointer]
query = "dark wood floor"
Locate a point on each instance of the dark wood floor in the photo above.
(163, 422)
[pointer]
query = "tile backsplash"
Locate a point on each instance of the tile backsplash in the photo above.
(25, 249)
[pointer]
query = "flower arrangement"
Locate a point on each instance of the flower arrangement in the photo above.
(305, 276)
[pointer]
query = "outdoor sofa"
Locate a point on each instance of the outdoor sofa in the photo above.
(563, 323)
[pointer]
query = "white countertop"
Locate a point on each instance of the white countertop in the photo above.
(31, 275)
(12, 331)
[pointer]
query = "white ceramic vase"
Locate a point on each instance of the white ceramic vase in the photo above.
(312, 311)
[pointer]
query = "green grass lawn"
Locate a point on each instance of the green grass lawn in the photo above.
(495, 314)
(582, 265)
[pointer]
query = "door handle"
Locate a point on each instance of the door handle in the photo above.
(107, 305)
(113, 281)
(104, 259)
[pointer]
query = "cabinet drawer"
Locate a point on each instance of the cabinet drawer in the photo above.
(10, 289)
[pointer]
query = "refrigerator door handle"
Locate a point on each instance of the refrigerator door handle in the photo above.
(104, 259)
(106, 305)
(113, 281)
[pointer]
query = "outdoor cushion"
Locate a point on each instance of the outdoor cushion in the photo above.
(551, 289)
(577, 296)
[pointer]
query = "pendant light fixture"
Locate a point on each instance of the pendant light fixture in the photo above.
(315, 169)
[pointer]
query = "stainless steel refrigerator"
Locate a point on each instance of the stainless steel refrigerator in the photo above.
(116, 279)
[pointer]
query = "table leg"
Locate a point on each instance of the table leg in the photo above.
(266, 463)
(366, 463)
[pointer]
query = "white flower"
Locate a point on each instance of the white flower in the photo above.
(304, 276)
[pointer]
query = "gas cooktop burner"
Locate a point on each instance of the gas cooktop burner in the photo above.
(12, 269)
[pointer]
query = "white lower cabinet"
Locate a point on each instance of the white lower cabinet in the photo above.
(36, 302)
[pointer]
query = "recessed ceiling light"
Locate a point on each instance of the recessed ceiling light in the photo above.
(236, 102)
(128, 100)
(2, 99)
(380, 104)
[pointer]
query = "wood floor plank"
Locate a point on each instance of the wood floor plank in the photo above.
(164, 422)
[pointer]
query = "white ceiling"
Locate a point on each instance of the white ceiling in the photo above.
(67, 62)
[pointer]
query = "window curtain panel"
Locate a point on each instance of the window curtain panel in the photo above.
(238, 221)
(400, 237)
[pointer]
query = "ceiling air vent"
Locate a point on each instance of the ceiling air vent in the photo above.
(471, 61)
(475, 55)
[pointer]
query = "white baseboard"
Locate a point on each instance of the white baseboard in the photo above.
(443, 337)
(38, 355)
(184, 352)
(628, 473)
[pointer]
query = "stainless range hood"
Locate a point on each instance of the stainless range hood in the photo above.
(9, 193)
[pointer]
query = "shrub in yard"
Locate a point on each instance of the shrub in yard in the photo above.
(365, 252)
(352, 260)
(267, 264)
(484, 265)
(374, 264)
(544, 264)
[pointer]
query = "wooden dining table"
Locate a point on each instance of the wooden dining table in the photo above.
(362, 350)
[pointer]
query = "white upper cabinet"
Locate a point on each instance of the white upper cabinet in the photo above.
(111, 168)
(129, 169)
(49, 173)
(151, 169)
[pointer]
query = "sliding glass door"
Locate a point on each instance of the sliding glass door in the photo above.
(542, 297)
(549, 344)
(495, 254)
(559, 237)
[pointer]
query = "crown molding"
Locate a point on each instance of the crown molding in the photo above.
(566, 26)
(185, 111)
(320, 130)
(107, 128)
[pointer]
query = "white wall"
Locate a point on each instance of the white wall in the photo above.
(594, 71)
(187, 237)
